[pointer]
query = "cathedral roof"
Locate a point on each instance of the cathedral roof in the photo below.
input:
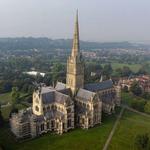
(99, 86)
(85, 94)
(65, 91)
(50, 95)
(60, 86)
(60, 98)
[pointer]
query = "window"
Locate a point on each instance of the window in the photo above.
(69, 123)
(78, 119)
(63, 125)
(36, 108)
(47, 125)
(57, 125)
(48, 108)
(44, 109)
(42, 127)
(52, 123)
(89, 121)
(69, 110)
(82, 120)
(37, 128)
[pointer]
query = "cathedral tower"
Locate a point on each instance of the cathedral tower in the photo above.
(75, 64)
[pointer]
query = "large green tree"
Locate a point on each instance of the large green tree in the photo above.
(136, 89)
(1, 118)
(15, 96)
(107, 70)
(138, 104)
(142, 142)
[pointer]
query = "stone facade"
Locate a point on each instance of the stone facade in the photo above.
(66, 106)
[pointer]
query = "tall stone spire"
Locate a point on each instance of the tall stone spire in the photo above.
(75, 64)
(76, 45)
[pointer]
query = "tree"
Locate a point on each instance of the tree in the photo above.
(146, 95)
(107, 70)
(138, 104)
(142, 142)
(15, 96)
(118, 72)
(126, 71)
(147, 107)
(1, 118)
(125, 89)
(136, 89)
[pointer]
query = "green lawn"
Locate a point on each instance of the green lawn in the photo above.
(130, 125)
(5, 98)
(127, 98)
(133, 67)
(6, 110)
(92, 139)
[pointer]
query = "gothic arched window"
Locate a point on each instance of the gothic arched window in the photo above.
(36, 108)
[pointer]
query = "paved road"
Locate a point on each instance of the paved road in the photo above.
(136, 111)
(113, 130)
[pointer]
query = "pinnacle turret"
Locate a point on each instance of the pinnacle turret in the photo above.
(76, 45)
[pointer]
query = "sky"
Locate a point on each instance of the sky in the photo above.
(99, 20)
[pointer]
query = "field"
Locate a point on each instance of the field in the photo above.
(5, 98)
(130, 125)
(93, 138)
(133, 67)
(127, 98)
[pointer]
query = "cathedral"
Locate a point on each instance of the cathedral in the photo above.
(63, 107)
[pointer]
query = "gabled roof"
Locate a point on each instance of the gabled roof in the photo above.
(65, 91)
(60, 86)
(60, 97)
(99, 86)
(85, 94)
(50, 95)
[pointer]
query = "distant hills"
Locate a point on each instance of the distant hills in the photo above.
(46, 43)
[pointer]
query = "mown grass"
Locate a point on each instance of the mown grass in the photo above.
(6, 97)
(93, 138)
(6, 110)
(131, 124)
(127, 98)
(133, 67)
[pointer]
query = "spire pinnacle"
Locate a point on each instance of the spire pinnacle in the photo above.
(76, 47)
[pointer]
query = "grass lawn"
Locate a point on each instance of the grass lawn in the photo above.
(6, 97)
(127, 98)
(6, 110)
(130, 125)
(92, 139)
(133, 67)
